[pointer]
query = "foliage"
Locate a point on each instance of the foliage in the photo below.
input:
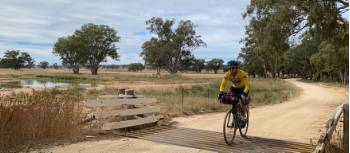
(16, 60)
(90, 45)
(297, 58)
(43, 64)
(198, 65)
(98, 44)
(135, 67)
(55, 66)
(152, 54)
(215, 64)
(170, 49)
(71, 51)
(271, 46)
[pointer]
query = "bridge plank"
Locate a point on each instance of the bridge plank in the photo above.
(116, 102)
(129, 123)
(126, 112)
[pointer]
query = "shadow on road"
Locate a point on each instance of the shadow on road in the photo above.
(214, 141)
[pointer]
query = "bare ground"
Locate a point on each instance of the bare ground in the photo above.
(300, 119)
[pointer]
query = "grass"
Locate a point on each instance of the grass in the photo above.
(60, 78)
(11, 84)
(203, 99)
(103, 76)
(271, 91)
(40, 117)
(163, 79)
(196, 98)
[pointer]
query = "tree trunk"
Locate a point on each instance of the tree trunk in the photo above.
(265, 71)
(346, 76)
(158, 71)
(343, 74)
(94, 70)
(75, 69)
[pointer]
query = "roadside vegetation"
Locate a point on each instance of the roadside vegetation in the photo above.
(38, 117)
(320, 33)
(203, 98)
(191, 98)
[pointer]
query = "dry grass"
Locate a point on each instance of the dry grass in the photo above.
(270, 91)
(199, 99)
(40, 117)
(336, 144)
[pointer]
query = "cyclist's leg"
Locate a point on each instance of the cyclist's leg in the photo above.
(239, 91)
(244, 103)
(244, 108)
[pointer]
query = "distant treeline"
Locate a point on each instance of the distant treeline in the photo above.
(308, 39)
(192, 64)
(16, 59)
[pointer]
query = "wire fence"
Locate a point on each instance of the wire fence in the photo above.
(188, 101)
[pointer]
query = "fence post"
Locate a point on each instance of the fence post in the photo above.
(208, 100)
(346, 127)
(182, 100)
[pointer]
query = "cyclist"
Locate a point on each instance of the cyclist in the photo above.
(240, 83)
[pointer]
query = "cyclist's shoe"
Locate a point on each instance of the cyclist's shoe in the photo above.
(241, 121)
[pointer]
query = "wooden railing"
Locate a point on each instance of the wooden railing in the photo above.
(123, 113)
(340, 122)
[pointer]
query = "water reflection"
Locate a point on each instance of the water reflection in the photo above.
(44, 84)
(41, 84)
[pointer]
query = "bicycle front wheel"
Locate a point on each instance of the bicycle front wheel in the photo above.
(229, 128)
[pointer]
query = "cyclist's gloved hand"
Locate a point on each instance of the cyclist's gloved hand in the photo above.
(220, 95)
(245, 94)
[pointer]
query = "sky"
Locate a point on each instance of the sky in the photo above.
(34, 26)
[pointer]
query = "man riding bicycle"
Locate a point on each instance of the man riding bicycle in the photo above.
(240, 83)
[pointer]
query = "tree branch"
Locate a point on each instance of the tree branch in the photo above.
(345, 3)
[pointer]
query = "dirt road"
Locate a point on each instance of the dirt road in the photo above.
(297, 120)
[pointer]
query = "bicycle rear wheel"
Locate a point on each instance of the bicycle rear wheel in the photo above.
(243, 131)
(229, 128)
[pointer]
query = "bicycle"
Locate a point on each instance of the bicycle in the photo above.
(233, 118)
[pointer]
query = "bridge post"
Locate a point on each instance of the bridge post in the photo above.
(346, 127)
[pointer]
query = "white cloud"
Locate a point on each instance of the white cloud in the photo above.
(26, 25)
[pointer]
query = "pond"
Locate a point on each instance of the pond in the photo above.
(44, 84)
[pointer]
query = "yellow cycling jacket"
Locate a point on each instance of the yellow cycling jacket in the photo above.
(240, 80)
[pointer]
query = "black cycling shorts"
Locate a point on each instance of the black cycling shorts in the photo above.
(238, 90)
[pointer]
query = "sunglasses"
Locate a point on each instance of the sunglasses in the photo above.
(233, 68)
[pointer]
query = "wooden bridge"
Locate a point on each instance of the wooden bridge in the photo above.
(144, 110)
